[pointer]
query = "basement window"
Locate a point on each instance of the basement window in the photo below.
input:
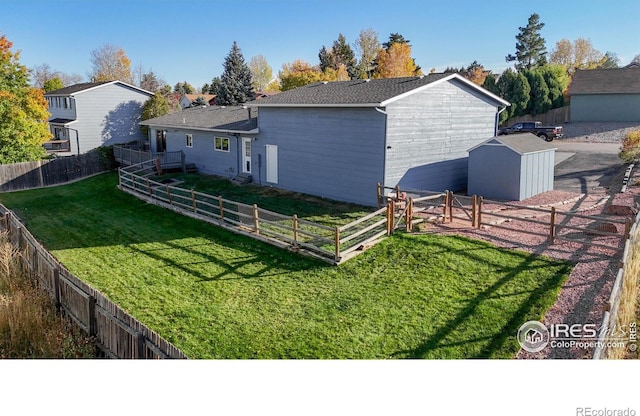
(221, 144)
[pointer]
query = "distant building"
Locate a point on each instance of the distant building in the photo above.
(187, 100)
(92, 114)
(606, 95)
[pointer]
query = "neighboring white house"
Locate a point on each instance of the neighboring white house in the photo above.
(89, 115)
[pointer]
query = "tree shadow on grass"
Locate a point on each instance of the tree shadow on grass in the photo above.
(207, 267)
(534, 303)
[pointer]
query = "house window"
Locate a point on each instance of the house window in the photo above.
(189, 140)
(222, 144)
(65, 100)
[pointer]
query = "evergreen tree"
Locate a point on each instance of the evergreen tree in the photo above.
(530, 46)
(326, 59)
(235, 86)
(183, 88)
(539, 101)
(23, 111)
(553, 78)
(216, 86)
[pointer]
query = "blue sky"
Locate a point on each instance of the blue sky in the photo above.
(189, 39)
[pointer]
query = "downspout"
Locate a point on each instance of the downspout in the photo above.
(495, 133)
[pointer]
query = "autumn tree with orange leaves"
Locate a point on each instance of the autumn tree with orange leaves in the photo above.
(394, 59)
(110, 63)
(23, 111)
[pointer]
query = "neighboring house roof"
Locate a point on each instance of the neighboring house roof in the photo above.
(363, 92)
(87, 86)
(521, 143)
(232, 119)
(606, 81)
(193, 97)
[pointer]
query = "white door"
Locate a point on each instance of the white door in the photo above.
(246, 155)
(272, 163)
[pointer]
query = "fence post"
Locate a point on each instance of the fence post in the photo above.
(7, 221)
(451, 206)
(169, 195)
(552, 225)
(473, 211)
(193, 201)
(182, 162)
(149, 187)
(446, 204)
(92, 316)
(56, 286)
(379, 194)
(256, 223)
(627, 228)
(409, 214)
(221, 210)
(337, 243)
(295, 229)
(391, 211)
(40, 176)
(139, 345)
(479, 214)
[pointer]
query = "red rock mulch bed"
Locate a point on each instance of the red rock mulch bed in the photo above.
(586, 291)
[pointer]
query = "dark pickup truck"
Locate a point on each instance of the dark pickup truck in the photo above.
(547, 133)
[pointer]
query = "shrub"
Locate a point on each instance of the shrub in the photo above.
(630, 149)
(29, 324)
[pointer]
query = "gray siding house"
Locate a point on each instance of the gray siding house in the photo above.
(89, 115)
(526, 167)
(606, 95)
(339, 139)
(218, 140)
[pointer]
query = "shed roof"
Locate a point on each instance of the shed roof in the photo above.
(231, 119)
(86, 86)
(363, 92)
(606, 81)
(521, 143)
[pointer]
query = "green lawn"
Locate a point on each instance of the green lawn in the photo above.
(215, 294)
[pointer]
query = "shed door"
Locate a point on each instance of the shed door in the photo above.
(246, 155)
(272, 163)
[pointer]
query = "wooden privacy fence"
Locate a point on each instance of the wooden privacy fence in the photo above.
(28, 175)
(610, 317)
(334, 244)
(117, 333)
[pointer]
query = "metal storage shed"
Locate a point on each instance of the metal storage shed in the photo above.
(511, 168)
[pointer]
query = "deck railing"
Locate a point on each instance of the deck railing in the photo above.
(127, 155)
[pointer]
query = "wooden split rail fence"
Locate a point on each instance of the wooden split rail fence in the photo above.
(331, 243)
(554, 224)
(116, 333)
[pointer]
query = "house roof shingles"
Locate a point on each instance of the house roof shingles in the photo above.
(215, 118)
(361, 92)
(72, 89)
(606, 81)
(521, 143)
